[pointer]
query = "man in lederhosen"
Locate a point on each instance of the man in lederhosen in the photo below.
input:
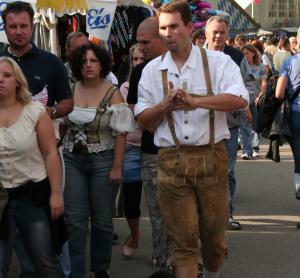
(183, 96)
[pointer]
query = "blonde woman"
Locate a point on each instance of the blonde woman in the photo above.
(132, 183)
(29, 169)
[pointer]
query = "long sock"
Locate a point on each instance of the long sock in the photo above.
(209, 274)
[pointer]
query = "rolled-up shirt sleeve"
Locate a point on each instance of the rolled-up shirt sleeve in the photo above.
(231, 81)
(146, 99)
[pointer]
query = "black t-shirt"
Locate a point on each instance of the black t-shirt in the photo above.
(44, 72)
(147, 145)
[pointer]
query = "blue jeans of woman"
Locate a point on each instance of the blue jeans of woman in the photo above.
(294, 121)
(89, 195)
(32, 223)
(246, 130)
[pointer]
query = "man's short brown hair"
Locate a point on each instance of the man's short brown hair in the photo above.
(179, 6)
(18, 7)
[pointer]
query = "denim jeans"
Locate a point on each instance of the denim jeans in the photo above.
(232, 148)
(161, 245)
(246, 130)
(6, 249)
(89, 194)
(32, 222)
(294, 121)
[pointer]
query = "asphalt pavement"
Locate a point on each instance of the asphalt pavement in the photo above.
(268, 246)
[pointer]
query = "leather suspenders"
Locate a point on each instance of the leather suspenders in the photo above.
(209, 93)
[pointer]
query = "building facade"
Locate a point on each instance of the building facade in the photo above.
(274, 14)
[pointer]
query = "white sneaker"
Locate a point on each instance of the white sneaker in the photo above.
(297, 185)
(255, 153)
(245, 156)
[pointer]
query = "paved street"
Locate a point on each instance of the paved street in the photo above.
(266, 247)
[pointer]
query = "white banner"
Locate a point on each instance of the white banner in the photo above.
(3, 4)
(99, 17)
(244, 3)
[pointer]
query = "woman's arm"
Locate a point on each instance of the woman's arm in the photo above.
(116, 171)
(263, 89)
(120, 143)
(280, 87)
(47, 145)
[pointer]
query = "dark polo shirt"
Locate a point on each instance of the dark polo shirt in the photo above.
(44, 70)
(147, 145)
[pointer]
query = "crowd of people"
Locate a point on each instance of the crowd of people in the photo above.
(71, 138)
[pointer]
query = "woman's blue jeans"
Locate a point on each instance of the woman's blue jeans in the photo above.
(294, 121)
(32, 223)
(246, 130)
(89, 195)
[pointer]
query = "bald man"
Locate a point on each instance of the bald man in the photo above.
(151, 46)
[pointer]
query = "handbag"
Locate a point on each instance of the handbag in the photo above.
(267, 109)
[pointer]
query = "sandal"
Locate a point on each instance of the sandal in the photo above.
(127, 251)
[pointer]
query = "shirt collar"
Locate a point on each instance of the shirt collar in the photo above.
(169, 64)
(222, 50)
(33, 50)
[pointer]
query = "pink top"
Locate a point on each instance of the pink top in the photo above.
(134, 138)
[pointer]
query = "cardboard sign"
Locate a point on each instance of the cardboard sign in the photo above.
(3, 5)
(99, 17)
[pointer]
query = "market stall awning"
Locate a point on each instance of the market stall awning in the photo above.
(62, 6)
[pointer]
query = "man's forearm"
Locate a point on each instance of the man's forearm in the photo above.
(152, 117)
(223, 102)
(64, 107)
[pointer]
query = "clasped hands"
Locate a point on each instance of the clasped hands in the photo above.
(178, 99)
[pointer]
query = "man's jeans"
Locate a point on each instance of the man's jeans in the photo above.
(89, 193)
(161, 244)
(32, 223)
(294, 122)
(232, 148)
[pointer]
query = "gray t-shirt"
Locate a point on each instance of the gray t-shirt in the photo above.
(253, 86)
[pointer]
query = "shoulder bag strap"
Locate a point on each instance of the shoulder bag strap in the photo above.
(209, 93)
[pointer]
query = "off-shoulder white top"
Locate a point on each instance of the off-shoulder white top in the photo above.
(20, 157)
(95, 128)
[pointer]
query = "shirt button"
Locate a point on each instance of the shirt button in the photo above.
(186, 122)
(186, 137)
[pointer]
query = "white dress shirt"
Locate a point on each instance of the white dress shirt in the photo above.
(192, 127)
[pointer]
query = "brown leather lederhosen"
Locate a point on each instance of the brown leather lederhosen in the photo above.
(193, 192)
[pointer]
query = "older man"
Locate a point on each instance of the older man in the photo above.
(217, 29)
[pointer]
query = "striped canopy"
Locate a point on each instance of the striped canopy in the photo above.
(62, 6)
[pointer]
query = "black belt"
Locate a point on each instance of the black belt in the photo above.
(79, 148)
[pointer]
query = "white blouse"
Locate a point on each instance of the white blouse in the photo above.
(20, 157)
(117, 119)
